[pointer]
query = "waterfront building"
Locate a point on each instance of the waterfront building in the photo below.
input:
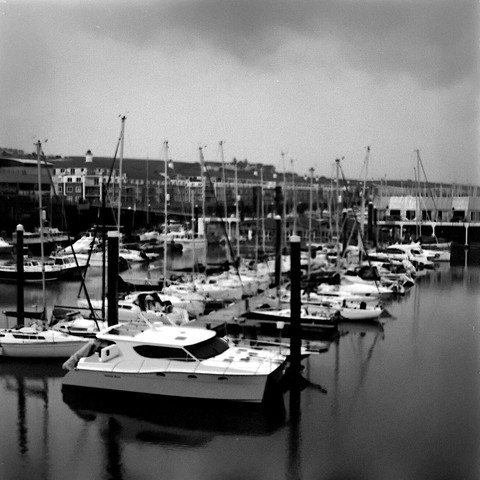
(455, 218)
(19, 176)
(79, 183)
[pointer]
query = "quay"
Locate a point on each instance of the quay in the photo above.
(463, 233)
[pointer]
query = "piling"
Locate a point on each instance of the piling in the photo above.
(370, 222)
(295, 306)
(295, 328)
(112, 277)
(278, 250)
(20, 276)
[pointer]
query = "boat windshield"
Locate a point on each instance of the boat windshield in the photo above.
(208, 348)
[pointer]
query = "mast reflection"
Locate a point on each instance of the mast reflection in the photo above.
(27, 380)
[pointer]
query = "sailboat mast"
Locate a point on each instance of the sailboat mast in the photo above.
(40, 212)
(224, 184)
(194, 263)
(257, 215)
(262, 209)
(285, 199)
(204, 192)
(237, 209)
(122, 135)
(364, 189)
(420, 164)
(310, 223)
(417, 203)
(165, 208)
(294, 201)
(339, 198)
(147, 196)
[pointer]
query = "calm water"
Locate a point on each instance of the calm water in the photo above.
(398, 402)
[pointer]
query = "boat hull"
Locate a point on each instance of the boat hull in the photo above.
(359, 314)
(235, 388)
(40, 349)
(10, 275)
(306, 321)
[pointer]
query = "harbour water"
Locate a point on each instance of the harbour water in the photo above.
(399, 400)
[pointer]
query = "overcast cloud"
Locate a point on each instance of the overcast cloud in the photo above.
(318, 79)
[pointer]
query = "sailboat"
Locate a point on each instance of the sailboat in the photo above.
(37, 340)
(195, 241)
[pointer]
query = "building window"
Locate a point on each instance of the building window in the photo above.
(69, 189)
(78, 189)
(96, 181)
(78, 180)
(69, 180)
(60, 189)
(72, 171)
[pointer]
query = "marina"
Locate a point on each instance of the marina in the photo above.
(393, 398)
(240, 241)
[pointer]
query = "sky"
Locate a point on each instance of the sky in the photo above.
(315, 80)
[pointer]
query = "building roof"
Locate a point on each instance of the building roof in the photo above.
(10, 161)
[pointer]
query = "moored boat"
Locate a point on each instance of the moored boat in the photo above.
(173, 361)
(311, 318)
(38, 342)
(34, 271)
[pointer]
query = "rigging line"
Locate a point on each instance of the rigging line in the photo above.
(358, 228)
(426, 181)
(82, 274)
(222, 222)
(217, 208)
(100, 215)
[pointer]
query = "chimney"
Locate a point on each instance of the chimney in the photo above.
(88, 157)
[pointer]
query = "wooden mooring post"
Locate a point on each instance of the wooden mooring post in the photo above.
(20, 277)
(113, 249)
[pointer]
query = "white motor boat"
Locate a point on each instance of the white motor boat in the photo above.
(83, 244)
(173, 361)
(133, 255)
(147, 305)
(357, 289)
(74, 323)
(414, 253)
(437, 254)
(154, 307)
(36, 341)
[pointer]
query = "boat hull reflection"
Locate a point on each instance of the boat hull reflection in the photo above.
(186, 421)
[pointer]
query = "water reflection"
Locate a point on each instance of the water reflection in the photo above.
(294, 439)
(170, 423)
(393, 399)
(29, 383)
(177, 418)
(357, 340)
